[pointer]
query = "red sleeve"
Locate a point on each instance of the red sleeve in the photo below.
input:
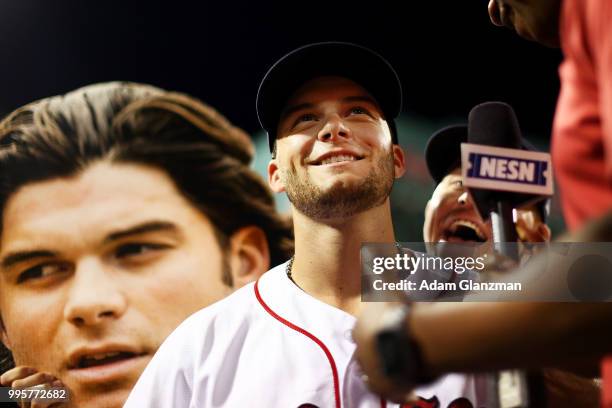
(599, 16)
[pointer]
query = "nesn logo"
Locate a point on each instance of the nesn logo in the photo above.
(497, 168)
(507, 168)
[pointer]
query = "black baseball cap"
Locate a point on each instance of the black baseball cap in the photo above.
(443, 151)
(355, 62)
(443, 155)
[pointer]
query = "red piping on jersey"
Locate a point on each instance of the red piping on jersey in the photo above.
(311, 336)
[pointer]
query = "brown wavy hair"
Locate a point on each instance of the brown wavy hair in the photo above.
(204, 154)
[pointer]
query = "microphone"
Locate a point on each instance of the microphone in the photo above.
(494, 124)
(500, 174)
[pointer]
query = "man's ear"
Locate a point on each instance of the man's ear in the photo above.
(399, 161)
(3, 336)
(428, 222)
(274, 177)
(249, 255)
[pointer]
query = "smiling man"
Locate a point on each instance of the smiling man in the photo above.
(328, 109)
(125, 208)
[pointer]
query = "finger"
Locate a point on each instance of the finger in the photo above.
(45, 404)
(36, 379)
(528, 230)
(499, 263)
(522, 229)
(411, 398)
(48, 403)
(16, 373)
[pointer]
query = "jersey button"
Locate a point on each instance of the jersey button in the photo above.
(349, 335)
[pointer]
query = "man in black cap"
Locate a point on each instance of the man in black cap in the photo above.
(285, 341)
(451, 214)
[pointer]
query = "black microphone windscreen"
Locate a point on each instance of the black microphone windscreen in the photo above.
(494, 124)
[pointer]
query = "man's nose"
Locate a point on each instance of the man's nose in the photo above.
(94, 296)
(463, 198)
(333, 129)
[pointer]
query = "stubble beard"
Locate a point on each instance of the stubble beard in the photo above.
(342, 200)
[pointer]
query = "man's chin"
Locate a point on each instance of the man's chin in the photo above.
(347, 182)
(103, 394)
(525, 33)
(341, 195)
(102, 398)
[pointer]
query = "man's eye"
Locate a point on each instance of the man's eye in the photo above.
(458, 183)
(129, 250)
(358, 110)
(306, 117)
(43, 271)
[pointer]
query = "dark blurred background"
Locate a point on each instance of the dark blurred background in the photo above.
(447, 53)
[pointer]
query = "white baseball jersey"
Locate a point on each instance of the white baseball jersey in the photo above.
(268, 345)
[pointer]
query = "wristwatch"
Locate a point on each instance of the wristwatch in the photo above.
(400, 356)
